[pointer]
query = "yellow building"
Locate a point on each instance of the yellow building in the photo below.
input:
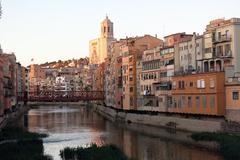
(100, 47)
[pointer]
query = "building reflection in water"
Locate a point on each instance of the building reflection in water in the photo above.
(74, 126)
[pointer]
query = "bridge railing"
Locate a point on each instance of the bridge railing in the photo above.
(61, 96)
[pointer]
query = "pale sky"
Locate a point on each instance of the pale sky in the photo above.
(48, 30)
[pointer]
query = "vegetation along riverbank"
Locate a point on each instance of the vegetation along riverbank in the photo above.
(16, 143)
(107, 152)
(229, 144)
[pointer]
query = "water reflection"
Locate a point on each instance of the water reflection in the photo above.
(79, 126)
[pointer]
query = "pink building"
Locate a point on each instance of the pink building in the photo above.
(9, 81)
(1, 87)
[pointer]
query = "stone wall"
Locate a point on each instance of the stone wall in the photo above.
(233, 115)
(163, 120)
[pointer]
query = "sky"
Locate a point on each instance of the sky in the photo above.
(49, 30)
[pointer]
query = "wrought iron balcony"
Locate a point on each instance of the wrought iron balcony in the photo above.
(223, 38)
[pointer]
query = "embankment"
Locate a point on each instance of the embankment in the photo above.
(173, 121)
(13, 117)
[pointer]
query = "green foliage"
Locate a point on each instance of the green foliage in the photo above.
(19, 134)
(108, 152)
(27, 147)
(229, 144)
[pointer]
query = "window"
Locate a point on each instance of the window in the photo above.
(160, 99)
(174, 85)
(174, 103)
(130, 78)
(212, 101)
(131, 89)
(208, 50)
(131, 101)
(183, 101)
(227, 50)
(181, 84)
(179, 102)
(197, 101)
(201, 83)
(189, 101)
(204, 101)
(227, 34)
(130, 69)
(191, 84)
(212, 85)
(219, 36)
(235, 95)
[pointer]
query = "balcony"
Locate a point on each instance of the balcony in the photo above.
(7, 83)
(222, 39)
(227, 54)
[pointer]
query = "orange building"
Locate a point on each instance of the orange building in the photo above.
(131, 53)
(198, 94)
(232, 98)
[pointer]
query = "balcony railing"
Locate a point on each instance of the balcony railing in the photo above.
(227, 54)
(223, 38)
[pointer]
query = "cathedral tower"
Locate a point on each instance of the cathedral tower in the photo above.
(99, 48)
(106, 28)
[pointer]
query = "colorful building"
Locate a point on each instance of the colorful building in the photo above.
(188, 55)
(221, 45)
(131, 53)
(232, 90)
(36, 76)
(9, 81)
(1, 87)
(202, 93)
(98, 78)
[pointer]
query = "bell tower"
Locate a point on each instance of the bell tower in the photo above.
(106, 28)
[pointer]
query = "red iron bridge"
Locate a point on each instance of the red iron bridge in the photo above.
(61, 96)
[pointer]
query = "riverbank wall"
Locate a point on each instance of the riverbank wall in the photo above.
(13, 116)
(172, 121)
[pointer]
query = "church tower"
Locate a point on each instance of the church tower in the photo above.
(106, 28)
(99, 48)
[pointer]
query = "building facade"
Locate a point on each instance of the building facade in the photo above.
(100, 48)
(36, 77)
(188, 55)
(131, 53)
(198, 94)
(221, 45)
(232, 90)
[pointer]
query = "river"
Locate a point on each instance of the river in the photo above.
(79, 126)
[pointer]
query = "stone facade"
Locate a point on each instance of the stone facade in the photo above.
(100, 48)
(188, 53)
(221, 49)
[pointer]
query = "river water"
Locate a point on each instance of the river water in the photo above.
(74, 126)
